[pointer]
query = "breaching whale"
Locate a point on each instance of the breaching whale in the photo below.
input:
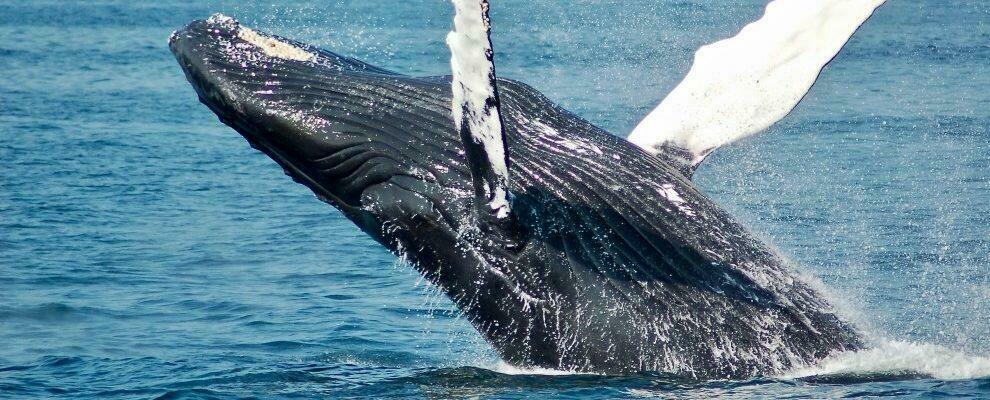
(565, 246)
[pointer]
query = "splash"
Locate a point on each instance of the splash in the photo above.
(890, 357)
(900, 356)
(505, 368)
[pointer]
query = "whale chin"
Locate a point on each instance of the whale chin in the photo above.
(615, 262)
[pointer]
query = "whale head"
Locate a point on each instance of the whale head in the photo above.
(351, 133)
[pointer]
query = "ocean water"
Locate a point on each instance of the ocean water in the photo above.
(146, 251)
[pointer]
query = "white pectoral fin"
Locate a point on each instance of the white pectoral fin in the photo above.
(740, 86)
(476, 106)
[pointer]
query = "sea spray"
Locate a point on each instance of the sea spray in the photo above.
(895, 356)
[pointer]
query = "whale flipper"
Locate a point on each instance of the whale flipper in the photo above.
(740, 86)
(476, 107)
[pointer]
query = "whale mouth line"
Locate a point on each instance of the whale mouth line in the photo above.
(295, 172)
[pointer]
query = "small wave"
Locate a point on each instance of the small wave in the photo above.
(900, 358)
(52, 312)
(505, 368)
(484, 380)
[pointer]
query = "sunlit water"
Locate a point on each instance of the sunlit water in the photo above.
(146, 250)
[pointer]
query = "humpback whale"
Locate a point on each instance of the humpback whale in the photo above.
(565, 246)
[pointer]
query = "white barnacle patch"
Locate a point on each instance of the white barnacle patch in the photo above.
(668, 192)
(223, 20)
(268, 45)
(274, 47)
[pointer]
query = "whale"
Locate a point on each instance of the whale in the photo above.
(571, 248)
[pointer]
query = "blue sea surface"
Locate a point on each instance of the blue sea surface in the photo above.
(147, 251)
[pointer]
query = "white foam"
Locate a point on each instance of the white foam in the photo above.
(900, 356)
(891, 356)
(505, 368)
(740, 86)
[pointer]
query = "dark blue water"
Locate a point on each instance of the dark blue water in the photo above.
(146, 250)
